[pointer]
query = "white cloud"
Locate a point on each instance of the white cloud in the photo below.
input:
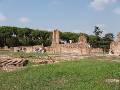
(117, 10)
(24, 20)
(3, 18)
(101, 4)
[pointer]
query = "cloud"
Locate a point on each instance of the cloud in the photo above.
(24, 20)
(101, 4)
(117, 10)
(3, 18)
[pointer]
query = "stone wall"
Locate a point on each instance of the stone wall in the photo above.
(115, 46)
(96, 50)
(81, 47)
(28, 49)
(5, 49)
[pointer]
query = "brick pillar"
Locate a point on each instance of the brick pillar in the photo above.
(55, 41)
(55, 37)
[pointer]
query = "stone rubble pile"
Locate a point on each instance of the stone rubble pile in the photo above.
(9, 63)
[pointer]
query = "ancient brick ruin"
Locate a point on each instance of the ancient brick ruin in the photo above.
(28, 49)
(81, 47)
(115, 46)
(55, 38)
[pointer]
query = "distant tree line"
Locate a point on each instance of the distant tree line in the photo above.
(15, 36)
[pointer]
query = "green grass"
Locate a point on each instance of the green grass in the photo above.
(73, 75)
(23, 54)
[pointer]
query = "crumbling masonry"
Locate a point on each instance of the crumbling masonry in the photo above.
(115, 46)
(81, 47)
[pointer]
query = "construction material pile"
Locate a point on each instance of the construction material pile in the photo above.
(12, 63)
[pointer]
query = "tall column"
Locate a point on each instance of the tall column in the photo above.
(55, 37)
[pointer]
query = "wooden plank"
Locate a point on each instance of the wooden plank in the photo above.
(16, 63)
(5, 63)
(23, 62)
(11, 63)
(20, 63)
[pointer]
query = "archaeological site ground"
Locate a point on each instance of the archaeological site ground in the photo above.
(61, 66)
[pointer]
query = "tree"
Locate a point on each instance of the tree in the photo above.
(69, 36)
(93, 40)
(14, 36)
(109, 36)
(97, 31)
(107, 39)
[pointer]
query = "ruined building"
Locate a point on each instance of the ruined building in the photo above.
(81, 47)
(29, 49)
(115, 46)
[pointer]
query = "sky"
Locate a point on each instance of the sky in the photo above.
(65, 15)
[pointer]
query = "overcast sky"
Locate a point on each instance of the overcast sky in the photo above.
(66, 15)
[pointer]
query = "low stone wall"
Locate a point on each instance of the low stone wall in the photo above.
(28, 49)
(69, 48)
(6, 49)
(96, 50)
(115, 49)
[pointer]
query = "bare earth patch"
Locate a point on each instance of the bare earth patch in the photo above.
(112, 80)
(35, 65)
(116, 61)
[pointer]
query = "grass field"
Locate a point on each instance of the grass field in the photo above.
(72, 75)
(22, 54)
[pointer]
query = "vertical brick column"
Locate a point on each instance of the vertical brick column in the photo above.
(55, 37)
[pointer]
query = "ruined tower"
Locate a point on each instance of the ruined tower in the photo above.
(55, 37)
(82, 39)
